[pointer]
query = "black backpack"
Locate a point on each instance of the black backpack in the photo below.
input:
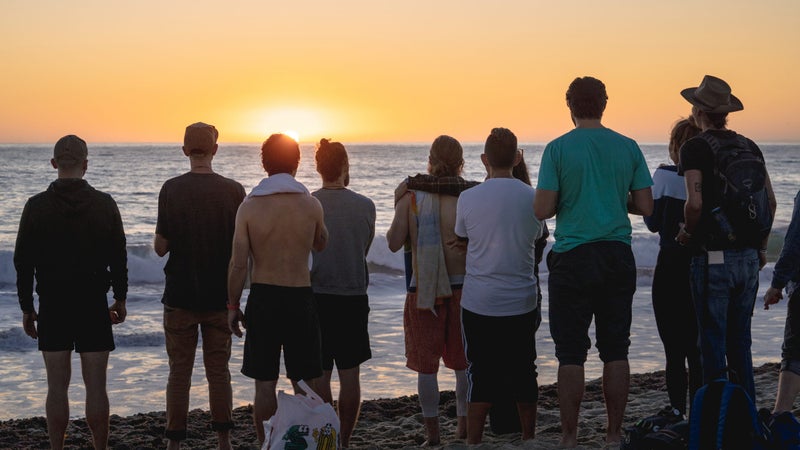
(741, 176)
(665, 430)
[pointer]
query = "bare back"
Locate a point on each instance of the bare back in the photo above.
(456, 260)
(281, 230)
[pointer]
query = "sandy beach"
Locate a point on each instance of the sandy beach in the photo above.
(384, 423)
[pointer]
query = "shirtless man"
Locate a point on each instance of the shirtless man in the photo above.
(279, 223)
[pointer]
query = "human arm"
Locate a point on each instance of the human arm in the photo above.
(397, 235)
(160, 245)
(787, 267)
(320, 231)
(447, 185)
(237, 272)
(640, 202)
(118, 257)
(160, 242)
(773, 206)
(545, 203)
(24, 263)
(694, 205)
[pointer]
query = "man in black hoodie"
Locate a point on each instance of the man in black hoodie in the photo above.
(71, 240)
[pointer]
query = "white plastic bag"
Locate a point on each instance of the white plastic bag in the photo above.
(302, 422)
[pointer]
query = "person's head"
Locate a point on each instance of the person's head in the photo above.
(682, 131)
(200, 140)
(332, 161)
(587, 98)
(520, 171)
(70, 157)
(500, 149)
(711, 102)
(280, 154)
(446, 157)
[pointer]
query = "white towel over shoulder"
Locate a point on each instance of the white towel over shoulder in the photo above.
(281, 183)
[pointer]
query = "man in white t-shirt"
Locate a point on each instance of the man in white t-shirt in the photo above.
(498, 303)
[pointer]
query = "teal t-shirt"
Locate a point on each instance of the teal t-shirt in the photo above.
(592, 169)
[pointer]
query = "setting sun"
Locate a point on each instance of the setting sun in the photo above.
(292, 134)
(309, 123)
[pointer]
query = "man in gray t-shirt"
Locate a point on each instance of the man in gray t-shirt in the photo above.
(339, 278)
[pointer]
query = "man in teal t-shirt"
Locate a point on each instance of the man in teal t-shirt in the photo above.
(590, 179)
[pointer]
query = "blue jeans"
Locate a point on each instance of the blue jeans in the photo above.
(724, 295)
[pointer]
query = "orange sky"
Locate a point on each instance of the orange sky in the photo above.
(376, 71)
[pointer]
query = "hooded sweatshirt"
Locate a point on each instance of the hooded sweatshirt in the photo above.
(71, 239)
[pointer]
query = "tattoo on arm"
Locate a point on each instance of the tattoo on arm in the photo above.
(698, 187)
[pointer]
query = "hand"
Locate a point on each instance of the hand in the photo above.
(234, 317)
(772, 297)
(118, 312)
(400, 191)
(683, 236)
(762, 260)
(29, 324)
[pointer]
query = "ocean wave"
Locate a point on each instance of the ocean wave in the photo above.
(15, 340)
(145, 267)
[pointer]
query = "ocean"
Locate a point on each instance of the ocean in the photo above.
(133, 174)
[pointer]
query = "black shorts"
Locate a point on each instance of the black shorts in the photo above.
(502, 357)
(79, 322)
(343, 326)
(595, 280)
(281, 317)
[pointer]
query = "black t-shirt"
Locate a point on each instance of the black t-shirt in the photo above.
(197, 214)
(696, 154)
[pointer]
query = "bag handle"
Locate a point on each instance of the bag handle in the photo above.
(309, 392)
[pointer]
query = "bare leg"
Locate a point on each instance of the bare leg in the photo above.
(476, 421)
(788, 388)
(264, 405)
(527, 419)
(93, 368)
(349, 401)
(570, 395)
(324, 386)
(313, 383)
(59, 371)
(461, 403)
(616, 382)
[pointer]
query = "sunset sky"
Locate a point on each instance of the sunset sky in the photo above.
(385, 71)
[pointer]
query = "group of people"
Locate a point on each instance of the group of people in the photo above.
(473, 299)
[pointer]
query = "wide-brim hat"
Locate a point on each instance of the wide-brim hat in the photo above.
(713, 95)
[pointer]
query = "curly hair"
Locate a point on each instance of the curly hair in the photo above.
(331, 157)
(280, 154)
(501, 148)
(587, 98)
(446, 157)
